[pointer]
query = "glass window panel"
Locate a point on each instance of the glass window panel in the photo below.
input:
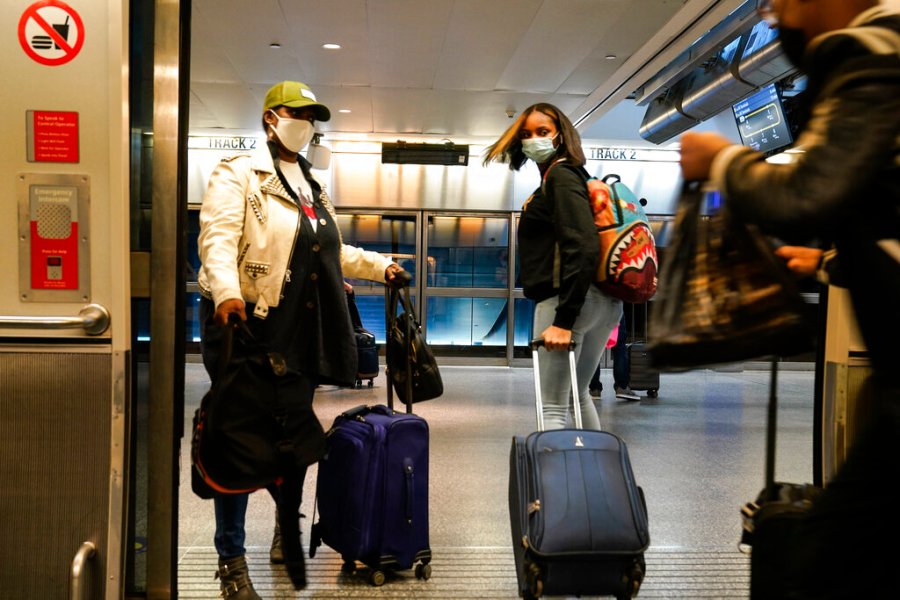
(393, 235)
(192, 253)
(468, 251)
(140, 320)
(192, 317)
(371, 313)
(524, 316)
(467, 321)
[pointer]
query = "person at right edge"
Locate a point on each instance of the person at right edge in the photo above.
(559, 251)
(843, 189)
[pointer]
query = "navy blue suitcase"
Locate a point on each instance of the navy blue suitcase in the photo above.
(579, 520)
(372, 492)
(367, 357)
(366, 347)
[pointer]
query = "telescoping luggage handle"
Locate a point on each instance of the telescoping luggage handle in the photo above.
(573, 379)
(392, 298)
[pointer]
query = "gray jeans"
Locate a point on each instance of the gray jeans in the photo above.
(599, 315)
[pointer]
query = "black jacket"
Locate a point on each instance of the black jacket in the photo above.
(558, 245)
(845, 188)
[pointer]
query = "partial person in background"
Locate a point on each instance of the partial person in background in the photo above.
(272, 254)
(844, 188)
(621, 368)
(558, 253)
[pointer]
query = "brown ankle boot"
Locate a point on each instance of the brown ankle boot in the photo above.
(276, 552)
(234, 579)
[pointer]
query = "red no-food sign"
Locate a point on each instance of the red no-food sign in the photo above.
(51, 32)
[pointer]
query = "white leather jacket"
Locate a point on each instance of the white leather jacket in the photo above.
(248, 225)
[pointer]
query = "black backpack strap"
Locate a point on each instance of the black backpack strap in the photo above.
(355, 318)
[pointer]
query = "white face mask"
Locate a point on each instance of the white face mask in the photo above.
(294, 134)
(539, 149)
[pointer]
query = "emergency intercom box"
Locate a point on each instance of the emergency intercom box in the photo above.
(54, 237)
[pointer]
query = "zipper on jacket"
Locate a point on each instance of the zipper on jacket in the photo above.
(287, 271)
(243, 253)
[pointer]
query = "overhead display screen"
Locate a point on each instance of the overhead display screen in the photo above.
(760, 120)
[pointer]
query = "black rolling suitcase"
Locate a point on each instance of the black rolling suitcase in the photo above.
(366, 348)
(578, 519)
(771, 522)
(642, 375)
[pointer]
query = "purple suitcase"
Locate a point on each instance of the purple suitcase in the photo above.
(372, 492)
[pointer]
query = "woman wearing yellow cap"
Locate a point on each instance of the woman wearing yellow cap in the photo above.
(272, 254)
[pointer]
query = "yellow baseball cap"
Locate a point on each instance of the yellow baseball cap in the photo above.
(295, 95)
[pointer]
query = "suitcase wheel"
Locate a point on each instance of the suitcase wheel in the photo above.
(371, 382)
(376, 578)
(632, 581)
(348, 567)
(423, 571)
(535, 583)
(652, 393)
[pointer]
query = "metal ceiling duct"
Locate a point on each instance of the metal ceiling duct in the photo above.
(704, 92)
(664, 119)
(765, 66)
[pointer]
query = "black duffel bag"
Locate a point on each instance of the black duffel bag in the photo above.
(411, 367)
(249, 432)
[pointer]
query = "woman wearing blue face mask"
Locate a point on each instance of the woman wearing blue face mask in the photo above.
(558, 254)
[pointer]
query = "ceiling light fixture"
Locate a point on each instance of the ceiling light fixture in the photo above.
(344, 110)
(610, 57)
(275, 45)
(331, 46)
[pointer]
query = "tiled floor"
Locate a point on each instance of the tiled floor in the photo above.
(697, 450)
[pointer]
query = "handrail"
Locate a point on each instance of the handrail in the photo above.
(86, 552)
(93, 318)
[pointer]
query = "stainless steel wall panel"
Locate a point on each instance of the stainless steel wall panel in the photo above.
(55, 421)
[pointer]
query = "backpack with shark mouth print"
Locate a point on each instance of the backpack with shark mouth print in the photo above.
(627, 266)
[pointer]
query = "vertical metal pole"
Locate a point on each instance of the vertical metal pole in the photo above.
(171, 38)
(510, 285)
(421, 251)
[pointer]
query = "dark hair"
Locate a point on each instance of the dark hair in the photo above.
(265, 126)
(509, 147)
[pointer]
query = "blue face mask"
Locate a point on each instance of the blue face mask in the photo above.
(540, 149)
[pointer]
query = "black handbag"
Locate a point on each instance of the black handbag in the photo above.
(411, 367)
(723, 295)
(246, 433)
